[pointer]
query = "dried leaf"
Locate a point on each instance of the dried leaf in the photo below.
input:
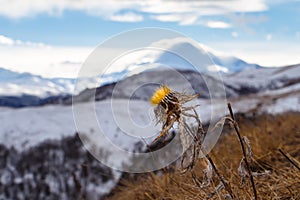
(249, 152)
(242, 170)
(208, 172)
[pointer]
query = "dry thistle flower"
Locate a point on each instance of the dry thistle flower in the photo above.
(169, 108)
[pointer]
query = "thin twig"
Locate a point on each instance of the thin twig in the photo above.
(243, 149)
(226, 185)
(289, 159)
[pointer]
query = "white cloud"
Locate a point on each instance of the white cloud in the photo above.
(128, 17)
(47, 62)
(56, 61)
(41, 59)
(234, 34)
(184, 12)
(202, 8)
(6, 41)
(181, 19)
(217, 68)
(217, 24)
(168, 17)
(262, 53)
(269, 37)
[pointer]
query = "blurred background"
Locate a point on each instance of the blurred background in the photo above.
(254, 45)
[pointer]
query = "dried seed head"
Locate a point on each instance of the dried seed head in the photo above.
(160, 94)
(166, 101)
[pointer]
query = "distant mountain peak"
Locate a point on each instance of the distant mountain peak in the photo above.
(223, 63)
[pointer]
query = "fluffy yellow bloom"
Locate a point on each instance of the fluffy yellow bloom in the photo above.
(160, 94)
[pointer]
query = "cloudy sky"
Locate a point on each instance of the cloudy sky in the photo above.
(53, 38)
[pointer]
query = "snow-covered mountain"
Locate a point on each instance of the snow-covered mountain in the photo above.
(18, 84)
(263, 86)
(250, 81)
(14, 84)
(25, 89)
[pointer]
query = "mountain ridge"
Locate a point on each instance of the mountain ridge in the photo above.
(17, 84)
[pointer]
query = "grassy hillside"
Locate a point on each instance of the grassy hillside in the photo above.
(267, 134)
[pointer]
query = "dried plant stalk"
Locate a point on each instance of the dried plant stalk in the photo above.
(289, 159)
(236, 128)
(226, 185)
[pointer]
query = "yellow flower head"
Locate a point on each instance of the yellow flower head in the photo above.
(160, 94)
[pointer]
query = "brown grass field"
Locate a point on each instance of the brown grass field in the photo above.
(267, 134)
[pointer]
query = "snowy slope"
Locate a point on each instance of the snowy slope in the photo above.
(263, 78)
(37, 124)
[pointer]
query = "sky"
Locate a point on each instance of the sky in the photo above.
(53, 38)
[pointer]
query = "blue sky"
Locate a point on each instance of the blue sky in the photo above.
(257, 31)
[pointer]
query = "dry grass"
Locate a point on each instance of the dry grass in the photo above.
(266, 133)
